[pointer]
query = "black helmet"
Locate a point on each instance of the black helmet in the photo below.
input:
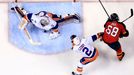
(72, 37)
(114, 17)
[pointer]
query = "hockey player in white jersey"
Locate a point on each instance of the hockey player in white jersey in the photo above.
(44, 20)
(88, 52)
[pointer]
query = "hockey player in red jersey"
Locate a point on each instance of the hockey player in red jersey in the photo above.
(84, 47)
(112, 32)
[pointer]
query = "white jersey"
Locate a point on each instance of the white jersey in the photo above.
(85, 47)
(35, 19)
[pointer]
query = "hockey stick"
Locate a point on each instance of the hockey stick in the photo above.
(104, 8)
(131, 10)
(74, 0)
(26, 31)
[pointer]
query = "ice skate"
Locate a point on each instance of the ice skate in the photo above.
(123, 54)
(73, 73)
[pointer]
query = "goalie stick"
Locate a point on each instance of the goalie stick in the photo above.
(26, 31)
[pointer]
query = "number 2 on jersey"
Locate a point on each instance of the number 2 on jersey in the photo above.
(112, 30)
(86, 51)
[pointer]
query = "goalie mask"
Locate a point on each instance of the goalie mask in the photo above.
(114, 17)
(44, 21)
(75, 40)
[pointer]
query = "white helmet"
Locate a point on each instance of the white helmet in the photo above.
(44, 21)
(76, 40)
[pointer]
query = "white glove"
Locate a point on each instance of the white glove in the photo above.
(54, 35)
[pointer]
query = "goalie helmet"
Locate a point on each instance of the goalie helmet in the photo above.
(76, 40)
(114, 17)
(44, 21)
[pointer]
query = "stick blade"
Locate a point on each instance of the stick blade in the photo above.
(131, 12)
(35, 43)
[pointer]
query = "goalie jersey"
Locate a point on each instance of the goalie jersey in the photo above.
(42, 20)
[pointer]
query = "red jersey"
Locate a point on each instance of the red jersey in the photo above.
(112, 31)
